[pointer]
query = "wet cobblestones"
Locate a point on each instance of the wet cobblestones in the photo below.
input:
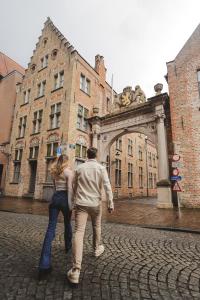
(137, 264)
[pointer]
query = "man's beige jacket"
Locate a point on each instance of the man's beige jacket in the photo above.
(90, 177)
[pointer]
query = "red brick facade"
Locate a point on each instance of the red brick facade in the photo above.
(10, 74)
(184, 92)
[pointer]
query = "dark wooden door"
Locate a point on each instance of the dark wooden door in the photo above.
(33, 167)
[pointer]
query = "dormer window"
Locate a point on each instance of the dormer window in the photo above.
(33, 67)
(45, 42)
(44, 61)
(54, 53)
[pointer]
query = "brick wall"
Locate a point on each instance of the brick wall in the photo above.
(185, 117)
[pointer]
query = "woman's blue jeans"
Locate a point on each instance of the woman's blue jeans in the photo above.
(58, 203)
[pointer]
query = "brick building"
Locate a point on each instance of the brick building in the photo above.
(133, 166)
(184, 90)
(11, 74)
(60, 90)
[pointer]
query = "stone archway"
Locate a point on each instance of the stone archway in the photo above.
(148, 118)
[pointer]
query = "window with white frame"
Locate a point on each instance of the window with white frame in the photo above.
(41, 88)
(118, 173)
(85, 84)
(140, 152)
(17, 165)
(108, 164)
(37, 121)
(44, 61)
(26, 96)
(130, 147)
(150, 180)
(140, 177)
(150, 159)
(52, 149)
(154, 160)
(82, 122)
(58, 80)
(130, 175)
(119, 144)
(34, 152)
(81, 151)
(22, 126)
(55, 116)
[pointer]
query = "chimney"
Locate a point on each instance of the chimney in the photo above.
(100, 67)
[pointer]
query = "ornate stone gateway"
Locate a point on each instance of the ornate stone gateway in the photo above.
(131, 112)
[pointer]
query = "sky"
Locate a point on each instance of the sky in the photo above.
(136, 37)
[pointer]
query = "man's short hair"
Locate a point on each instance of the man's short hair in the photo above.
(92, 152)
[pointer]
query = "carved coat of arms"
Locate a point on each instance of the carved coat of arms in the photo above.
(130, 97)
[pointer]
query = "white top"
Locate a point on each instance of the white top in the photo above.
(89, 179)
(64, 183)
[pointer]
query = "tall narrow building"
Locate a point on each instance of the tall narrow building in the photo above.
(59, 92)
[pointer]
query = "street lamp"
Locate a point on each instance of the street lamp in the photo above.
(147, 173)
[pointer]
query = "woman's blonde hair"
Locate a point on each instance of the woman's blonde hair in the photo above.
(60, 164)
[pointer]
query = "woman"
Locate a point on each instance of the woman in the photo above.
(61, 201)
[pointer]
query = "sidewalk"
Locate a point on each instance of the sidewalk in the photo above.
(140, 212)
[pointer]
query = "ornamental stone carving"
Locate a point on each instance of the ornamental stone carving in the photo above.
(129, 97)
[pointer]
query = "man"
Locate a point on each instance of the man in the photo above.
(88, 181)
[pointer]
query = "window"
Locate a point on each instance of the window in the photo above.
(41, 89)
(150, 180)
(58, 80)
(154, 181)
(108, 164)
(16, 174)
(27, 96)
(55, 116)
(82, 116)
(37, 121)
(44, 61)
(49, 178)
(140, 152)
(140, 177)
(150, 159)
(119, 144)
(81, 151)
(130, 175)
(22, 126)
(54, 54)
(108, 104)
(52, 149)
(85, 84)
(118, 173)
(34, 152)
(17, 165)
(154, 160)
(18, 154)
(130, 147)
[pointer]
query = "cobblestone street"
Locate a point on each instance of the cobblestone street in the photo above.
(138, 263)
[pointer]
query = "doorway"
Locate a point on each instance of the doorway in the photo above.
(1, 173)
(33, 171)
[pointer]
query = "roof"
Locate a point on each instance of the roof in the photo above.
(8, 65)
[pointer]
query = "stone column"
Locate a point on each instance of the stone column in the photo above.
(163, 185)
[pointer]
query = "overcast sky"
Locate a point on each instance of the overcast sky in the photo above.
(136, 37)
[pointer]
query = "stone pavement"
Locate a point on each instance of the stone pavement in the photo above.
(140, 212)
(138, 263)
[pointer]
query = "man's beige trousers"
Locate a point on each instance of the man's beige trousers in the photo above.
(81, 215)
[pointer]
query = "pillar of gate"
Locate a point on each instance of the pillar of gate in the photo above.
(163, 184)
